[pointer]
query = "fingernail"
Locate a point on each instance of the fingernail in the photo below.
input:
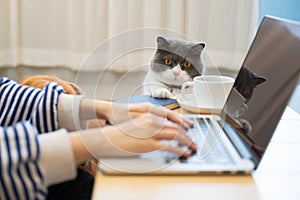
(188, 152)
(191, 124)
(193, 147)
(186, 126)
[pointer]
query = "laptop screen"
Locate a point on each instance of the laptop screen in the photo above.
(265, 83)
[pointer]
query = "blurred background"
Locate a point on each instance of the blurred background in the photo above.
(61, 37)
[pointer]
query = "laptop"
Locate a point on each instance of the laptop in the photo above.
(235, 140)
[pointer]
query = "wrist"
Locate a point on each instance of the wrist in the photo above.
(91, 109)
(103, 108)
(99, 143)
(69, 112)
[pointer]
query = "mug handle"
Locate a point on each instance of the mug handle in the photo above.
(184, 87)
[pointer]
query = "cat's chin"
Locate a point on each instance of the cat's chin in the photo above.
(171, 79)
(177, 82)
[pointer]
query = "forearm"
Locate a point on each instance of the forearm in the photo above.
(94, 109)
(97, 143)
(74, 111)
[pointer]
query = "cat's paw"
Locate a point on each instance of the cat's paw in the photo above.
(162, 93)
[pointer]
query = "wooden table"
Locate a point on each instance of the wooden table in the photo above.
(278, 176)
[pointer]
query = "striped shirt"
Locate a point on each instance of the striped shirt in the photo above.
(25, 112)
(23, 103)
(21, 176)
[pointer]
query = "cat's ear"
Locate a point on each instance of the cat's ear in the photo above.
(259, 79)
(198, 47)
(162, 43)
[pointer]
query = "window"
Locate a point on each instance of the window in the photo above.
(280, 8)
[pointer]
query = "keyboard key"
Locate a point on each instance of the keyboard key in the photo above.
(211, 148)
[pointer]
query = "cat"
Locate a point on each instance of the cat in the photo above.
(40, 81)
(174, 62)
(246, 82)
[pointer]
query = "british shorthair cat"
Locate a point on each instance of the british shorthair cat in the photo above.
(174, 62)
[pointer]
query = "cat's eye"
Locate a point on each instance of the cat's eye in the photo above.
(187, 64)
(168, 62)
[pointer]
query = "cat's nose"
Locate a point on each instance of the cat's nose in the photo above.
(176, 73)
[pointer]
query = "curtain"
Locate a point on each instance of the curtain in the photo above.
(93, 35)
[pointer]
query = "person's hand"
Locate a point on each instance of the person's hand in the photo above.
(117, 113)
(145, 132)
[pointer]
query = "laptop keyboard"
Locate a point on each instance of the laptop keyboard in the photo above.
(211, 148)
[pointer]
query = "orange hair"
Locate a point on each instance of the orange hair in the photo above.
(39, 81)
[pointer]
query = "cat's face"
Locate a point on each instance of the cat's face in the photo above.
(247, 81)
(177, 61)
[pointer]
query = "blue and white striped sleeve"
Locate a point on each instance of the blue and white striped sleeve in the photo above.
(40, 107)
(21, 175)
(26, 112)
(45, 116)
(23, 103)
(29, 162)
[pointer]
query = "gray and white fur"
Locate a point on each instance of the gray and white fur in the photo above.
(174, 62)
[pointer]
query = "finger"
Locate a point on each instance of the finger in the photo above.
(147, 125)
(170, 115)
(160, 111)
(189, 122)
(180, 151)
(150, 119)
(177, 134)
(185, 123)
(164, 123)
(185, 140)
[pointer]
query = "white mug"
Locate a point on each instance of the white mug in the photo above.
(209, 91)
